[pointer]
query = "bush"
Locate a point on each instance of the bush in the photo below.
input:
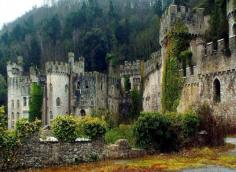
(190, 125)
(153, 130)
(215, 126)
(121, 132)
(25, 129)
(3, 120)
(64, 128)
(8, 143)
(92, 127)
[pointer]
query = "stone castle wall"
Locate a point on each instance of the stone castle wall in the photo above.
(195, 21)
(37, 154)
(18, 93)
(152, 83)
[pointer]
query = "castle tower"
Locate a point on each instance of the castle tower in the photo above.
(57, 79)
(231, 14)
(18, 92)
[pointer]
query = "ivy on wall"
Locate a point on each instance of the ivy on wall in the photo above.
(36, 101)
(172, 82)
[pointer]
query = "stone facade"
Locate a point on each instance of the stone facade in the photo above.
(133, 72)
(211, 79)
(18, 92)
(68, 89)
(152, 83)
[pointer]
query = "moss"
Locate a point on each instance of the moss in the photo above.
(177, 41)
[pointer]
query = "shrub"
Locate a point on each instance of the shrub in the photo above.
(215, 126)
(3, 120)
(64, 128)
(121, 132)
(156, 131)
(92, 127)
(190, 124)
(25, 129)
(8, 143)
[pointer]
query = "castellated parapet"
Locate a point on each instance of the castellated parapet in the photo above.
(195, 21)
(57, 68)
(153, 63)
(130, 68)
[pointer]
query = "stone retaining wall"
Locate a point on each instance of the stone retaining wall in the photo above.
(43, 154)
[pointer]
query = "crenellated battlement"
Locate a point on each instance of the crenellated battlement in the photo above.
(210, 50)
(195, 20)
(57, 67)
(153, 63)
(130, 68)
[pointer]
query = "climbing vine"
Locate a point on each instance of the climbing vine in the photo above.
(172, 82)
(35, 106)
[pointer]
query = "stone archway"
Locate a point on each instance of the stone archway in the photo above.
(82, 112)
(217, 91)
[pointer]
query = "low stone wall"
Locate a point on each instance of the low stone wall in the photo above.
(46, 154)
(37, 154)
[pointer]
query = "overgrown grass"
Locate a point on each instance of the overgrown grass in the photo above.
(121, 132)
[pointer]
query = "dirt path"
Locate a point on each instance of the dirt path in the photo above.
(215, 168)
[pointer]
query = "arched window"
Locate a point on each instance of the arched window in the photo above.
(12, 116)
(17, 115)
(24, 101)
(50, 87)
(217, 91)
(82, 112)
(58, 101)
(66, 88)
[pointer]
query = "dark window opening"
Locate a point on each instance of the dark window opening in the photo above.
(58, 102)
(82, 112)
(234, 29)
(217, 91)
(78, 85)
(191, 70)
(184, 72)
(86, 84)
(25, 101)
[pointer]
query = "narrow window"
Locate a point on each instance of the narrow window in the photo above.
(17, 115)
(18, 103)
(12, 103)
(58, 101)
(12, 116)
(51, 116)
(24, 101)
(86, 84)
(217, 91)
(66, 88)
(50, 87)
(78, 85)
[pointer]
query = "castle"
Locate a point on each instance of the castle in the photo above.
(69, 89)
